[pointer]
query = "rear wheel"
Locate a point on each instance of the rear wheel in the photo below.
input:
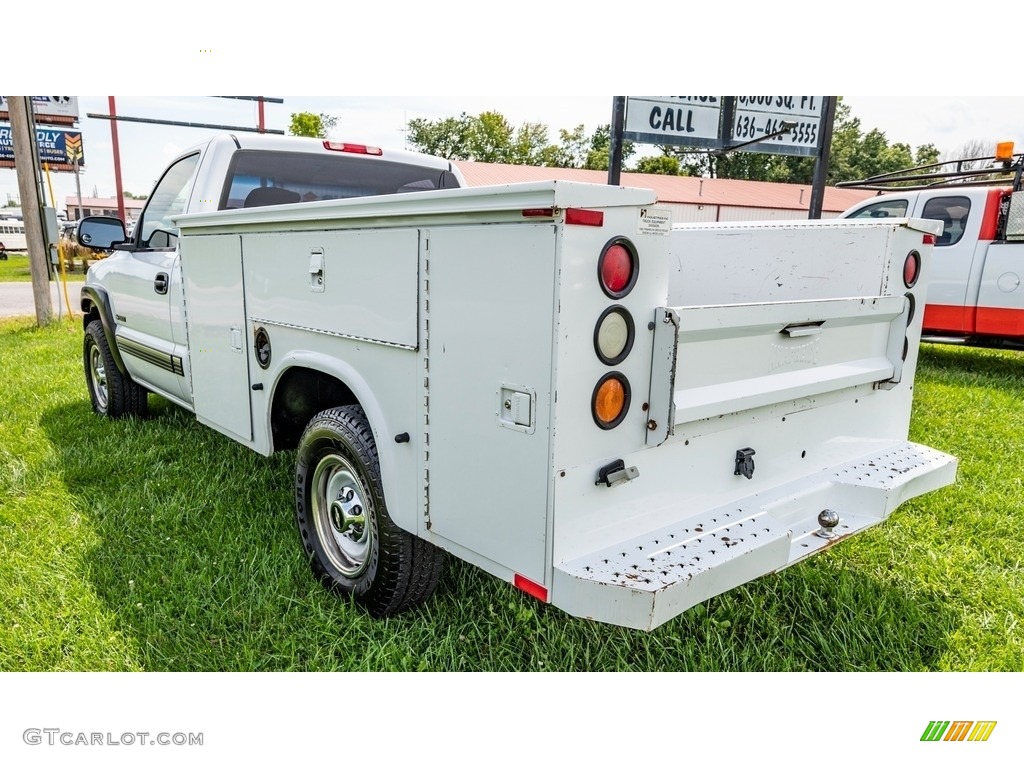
(353, 545)
(112, 393)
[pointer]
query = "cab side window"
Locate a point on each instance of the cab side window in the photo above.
(952, 212)
(888, 209)
(155, 228)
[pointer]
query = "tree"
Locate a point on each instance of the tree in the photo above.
(853, 155)
(971, 150)
(490, 138)
(447, 138)
(599, 154)
(665, 165)
(317, 126)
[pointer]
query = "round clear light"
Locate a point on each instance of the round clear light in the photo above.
(614, 336)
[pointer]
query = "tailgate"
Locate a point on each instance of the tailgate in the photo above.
(709, 361)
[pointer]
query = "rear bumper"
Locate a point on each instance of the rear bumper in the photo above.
(645, 581)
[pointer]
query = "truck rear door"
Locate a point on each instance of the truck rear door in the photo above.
(717, 352)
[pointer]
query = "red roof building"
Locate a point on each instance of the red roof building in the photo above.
(690, 198)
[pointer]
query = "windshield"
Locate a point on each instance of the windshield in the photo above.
(273, 178)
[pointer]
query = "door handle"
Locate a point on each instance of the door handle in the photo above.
(160, 283)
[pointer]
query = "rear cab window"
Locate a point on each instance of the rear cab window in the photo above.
(258, 178)
(886, 209)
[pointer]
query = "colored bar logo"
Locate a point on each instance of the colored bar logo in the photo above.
(958, 730)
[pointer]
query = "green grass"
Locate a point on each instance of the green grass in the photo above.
(162, 545)
(16, 270)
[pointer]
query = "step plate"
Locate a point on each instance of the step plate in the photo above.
(645, 581)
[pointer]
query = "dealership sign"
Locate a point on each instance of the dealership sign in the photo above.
(57, 147)
(47, 109)
(787, 125)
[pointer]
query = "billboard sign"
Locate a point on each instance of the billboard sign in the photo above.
(761, 116)
(58, 148)
(691, 121)
(719, 122)
(48, 109)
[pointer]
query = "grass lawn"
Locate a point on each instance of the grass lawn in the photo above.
(16, 270)
(162, 545)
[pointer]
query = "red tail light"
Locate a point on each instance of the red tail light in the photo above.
(618, 267)
(911, 269)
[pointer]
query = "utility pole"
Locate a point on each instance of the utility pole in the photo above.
(27, 168)
(117, 159)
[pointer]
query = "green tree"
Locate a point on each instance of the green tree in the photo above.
(599, 154)
(666, 165)
(317, 126)
(490, 138)
(854, 154)
(448, 138)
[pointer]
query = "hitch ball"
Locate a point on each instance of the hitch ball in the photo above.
(827, 519)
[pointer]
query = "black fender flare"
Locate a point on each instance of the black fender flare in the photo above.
(94, 297)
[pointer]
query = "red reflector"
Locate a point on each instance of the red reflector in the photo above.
(928, 240)
(542, 212)
(357, 149)
(584, 217)
(531, 588)
(911, 269)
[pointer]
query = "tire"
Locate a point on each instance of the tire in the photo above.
(112, 393)
(353, 546)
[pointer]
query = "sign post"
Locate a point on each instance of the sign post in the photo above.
(800, 126)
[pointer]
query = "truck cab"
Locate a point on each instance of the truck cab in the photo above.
(975, 295)
(137, 292)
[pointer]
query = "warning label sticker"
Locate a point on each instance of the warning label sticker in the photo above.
(655, 221)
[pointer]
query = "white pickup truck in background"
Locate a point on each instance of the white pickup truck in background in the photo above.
(620, 417)
(976, 284)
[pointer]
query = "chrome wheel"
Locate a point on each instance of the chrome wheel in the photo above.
(341, 515)
(98, 378)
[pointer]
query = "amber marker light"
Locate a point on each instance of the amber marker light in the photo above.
(610, 401)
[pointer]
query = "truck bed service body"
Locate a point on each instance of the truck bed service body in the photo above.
(619, 416)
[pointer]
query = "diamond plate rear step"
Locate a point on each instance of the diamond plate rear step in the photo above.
(647, 580)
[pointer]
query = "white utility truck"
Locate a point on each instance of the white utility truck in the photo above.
(976, 282)
(620, 417)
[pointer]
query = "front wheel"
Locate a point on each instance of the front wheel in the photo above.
(353, 545)
(112, 393)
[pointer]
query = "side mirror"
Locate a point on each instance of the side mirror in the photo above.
(100, 233)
